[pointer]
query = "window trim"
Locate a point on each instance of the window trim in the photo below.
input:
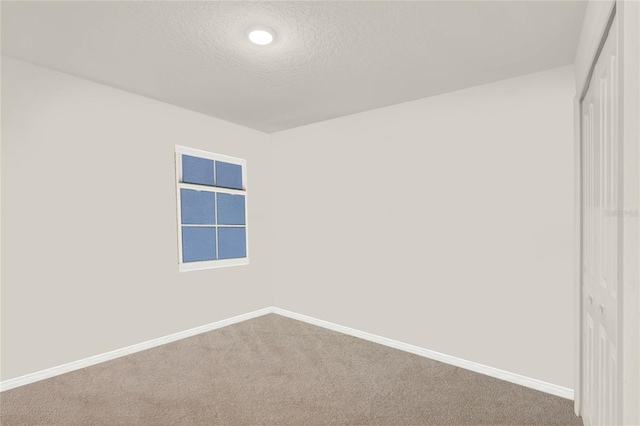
(219, 263)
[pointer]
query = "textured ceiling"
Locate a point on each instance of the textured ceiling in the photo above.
(329, 59)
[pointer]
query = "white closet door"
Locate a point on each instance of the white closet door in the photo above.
(600, 237)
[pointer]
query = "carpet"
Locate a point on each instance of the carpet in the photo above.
(273, 370)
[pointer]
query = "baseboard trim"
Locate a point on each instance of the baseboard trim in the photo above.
(108, 356)
(447, 359)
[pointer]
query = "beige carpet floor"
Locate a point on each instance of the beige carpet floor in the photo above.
(276, 371)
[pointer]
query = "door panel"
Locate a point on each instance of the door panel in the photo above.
(600, 237)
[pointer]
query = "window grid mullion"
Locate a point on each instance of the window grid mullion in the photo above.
(204, 225)
(217, 222)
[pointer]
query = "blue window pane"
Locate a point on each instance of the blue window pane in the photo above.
(198, 243)
(232, 243)
(198, 207)
(230, 209)
(228, 175)
(197, 170)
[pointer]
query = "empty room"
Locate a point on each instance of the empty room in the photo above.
(320, 213)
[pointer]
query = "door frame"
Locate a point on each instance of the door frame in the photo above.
(598, 17)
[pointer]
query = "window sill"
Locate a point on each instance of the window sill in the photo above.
(212, 264)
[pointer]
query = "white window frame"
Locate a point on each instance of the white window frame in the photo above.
(209, 264)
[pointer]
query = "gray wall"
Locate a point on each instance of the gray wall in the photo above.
(445, 223)
(89, 257)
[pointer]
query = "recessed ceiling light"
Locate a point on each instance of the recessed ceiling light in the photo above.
(260, 36)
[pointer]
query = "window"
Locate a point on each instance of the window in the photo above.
(212, 210)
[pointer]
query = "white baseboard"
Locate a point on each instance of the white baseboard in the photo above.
(108, 356)
(447, 359)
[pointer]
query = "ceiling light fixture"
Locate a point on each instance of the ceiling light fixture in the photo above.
(260, 36)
